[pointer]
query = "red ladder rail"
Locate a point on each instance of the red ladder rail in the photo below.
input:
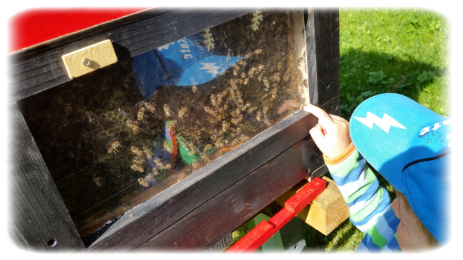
(265, 229)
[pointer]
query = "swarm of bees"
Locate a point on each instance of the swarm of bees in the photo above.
(110, 130)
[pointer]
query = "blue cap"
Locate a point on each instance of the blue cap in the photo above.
(185, 62)
(409, 145)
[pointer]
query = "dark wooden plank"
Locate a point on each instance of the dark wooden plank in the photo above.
(227, 210)
(326, 22)
(39, 68)
(39, 217)
(241, 201)
(221, 244)
(159, 212)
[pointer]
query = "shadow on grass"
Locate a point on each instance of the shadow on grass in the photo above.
(365, 74)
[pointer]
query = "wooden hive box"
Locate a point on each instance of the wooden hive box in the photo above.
(191, 208)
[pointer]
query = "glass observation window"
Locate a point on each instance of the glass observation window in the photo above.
(118, 136)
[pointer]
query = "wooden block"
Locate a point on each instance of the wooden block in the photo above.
(326, 212)
(90, 58)
(267, 2)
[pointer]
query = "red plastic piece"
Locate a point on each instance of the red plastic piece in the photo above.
(264, 230)
(39, 25)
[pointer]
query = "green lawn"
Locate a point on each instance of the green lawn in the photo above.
(385, 50)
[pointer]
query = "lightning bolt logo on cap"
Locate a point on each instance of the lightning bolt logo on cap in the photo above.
(384, 123)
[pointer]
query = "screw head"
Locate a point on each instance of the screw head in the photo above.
(87, 62)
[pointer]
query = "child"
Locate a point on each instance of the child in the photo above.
(408, 145)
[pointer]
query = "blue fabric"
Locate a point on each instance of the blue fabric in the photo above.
(180, 63)
(409, 145)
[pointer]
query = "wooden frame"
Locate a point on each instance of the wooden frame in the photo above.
(204, 207)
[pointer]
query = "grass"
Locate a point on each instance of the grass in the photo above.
(403, 51)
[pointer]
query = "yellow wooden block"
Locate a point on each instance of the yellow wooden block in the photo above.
(326, 212)
(267, 2)
(89, 59)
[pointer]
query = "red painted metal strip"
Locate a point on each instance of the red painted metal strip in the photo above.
(24, 23)
(257, 236)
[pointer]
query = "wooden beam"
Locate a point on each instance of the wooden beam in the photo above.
(326, 212)
(39, 218)
(33, 70)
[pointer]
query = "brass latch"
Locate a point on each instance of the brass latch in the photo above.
(88, 59)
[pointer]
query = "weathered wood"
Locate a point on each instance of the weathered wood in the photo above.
(326, 40)
(40, 220)
(39, 68)
(221, 244)
(149, 218)
(326, 212)
(243, 200)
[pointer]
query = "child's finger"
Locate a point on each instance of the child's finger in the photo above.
(324, 119)
(317, 134)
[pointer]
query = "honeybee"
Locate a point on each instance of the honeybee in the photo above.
(286, 77)
(239, 81)
(235, 73)
(259, 116)
(194, 89)
(232, 82)
(225, 125)
(252, 109)
(207, 148)
(232, 94)
(143, 182)
(246, 81)
(300, 60)
(158, 162)
(237, 120)
(267, 123)
(213, 100)
(168, 166)
(182, 112)
(246, 106)
(134, 127)
(155, 172)
(264, 107)
(243, 138)
(266, 82)
(251, 72)
(258, 51)
(234, 142)
(138, 160)
(166, 110)
(147, 152)
(248, 55)
(173, 124)
(235, 113)
(149, 107)
(137, 167)
(141, 114)
(218, 143)
(243, 75)
(259, 77)
(304, 82)
(242, 63)
(261, 67)
(114, 147)
(280, 66)
(136, 151)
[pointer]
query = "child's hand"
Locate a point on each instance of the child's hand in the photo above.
(331, 134)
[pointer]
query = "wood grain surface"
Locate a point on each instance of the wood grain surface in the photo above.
(39, 219)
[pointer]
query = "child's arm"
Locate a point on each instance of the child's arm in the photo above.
(357, 183)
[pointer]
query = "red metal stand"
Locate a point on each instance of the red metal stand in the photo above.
(264, 230)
